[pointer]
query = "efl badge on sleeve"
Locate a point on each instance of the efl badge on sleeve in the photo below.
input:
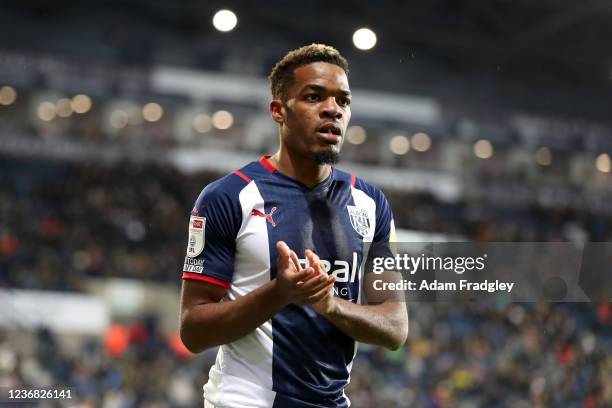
(359, 219)
(195, 243)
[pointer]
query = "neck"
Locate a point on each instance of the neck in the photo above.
(304, 170)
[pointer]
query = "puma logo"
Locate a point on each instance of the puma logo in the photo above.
(266, 216)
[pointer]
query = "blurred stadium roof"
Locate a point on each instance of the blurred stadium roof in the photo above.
(559, 42)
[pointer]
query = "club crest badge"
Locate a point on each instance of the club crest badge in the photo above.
(359, 220)
(195, 242)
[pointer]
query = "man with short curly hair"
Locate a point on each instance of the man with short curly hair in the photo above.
(274, 268)
(282, 75)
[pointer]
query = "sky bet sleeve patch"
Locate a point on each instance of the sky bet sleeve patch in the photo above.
(193, 265)
(195, 243)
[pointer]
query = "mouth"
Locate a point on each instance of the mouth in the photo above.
(330, 133)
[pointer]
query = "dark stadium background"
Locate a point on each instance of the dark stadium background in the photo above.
(481, 120)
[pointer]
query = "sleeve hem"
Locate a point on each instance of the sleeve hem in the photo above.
(206, 278)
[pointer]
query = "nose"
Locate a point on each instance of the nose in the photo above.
(331, 109)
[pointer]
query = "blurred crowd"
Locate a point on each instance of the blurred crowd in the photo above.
(476, 355)
(493, 355)
(132, 366)
(65, 221)
(62, 221)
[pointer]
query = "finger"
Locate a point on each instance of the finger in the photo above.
(311, 256)
(314, 285)
(300, 278)
(314, 260)
(296, 261)
(283, 249)
(312, 274)
(321, 276)
(310, 286)
(320, 295)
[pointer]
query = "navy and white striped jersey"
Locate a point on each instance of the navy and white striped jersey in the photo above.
(298, 358)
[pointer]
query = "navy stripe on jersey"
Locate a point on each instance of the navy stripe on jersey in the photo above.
(317, 373)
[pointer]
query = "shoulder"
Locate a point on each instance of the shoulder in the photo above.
(225, 190)
(370, 190)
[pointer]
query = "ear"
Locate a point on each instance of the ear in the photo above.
(277, 111)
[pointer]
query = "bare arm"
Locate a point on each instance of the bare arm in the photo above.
(384, 324)
(207, 321)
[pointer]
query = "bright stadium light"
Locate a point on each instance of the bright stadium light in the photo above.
(46, 111)
(421, 142)
(399, 145)
(603, 163)
(543, 156)
(222, 120)
(63, 107)
(483, 149)
(225, 20)
(152, 112)
(8, 95)
(364, 39)
(81, 103)
(356, 135)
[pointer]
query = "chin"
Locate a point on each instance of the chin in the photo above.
(327, 157)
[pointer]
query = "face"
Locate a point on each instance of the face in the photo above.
(315, 113)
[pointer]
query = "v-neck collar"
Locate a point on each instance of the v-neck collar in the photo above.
(269, 166)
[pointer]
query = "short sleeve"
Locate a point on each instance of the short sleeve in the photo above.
(385, 226)
(383, 245)
(211, 245)
(384, 234)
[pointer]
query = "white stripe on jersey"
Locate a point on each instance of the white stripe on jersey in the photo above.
(242, 373)
(364, 201)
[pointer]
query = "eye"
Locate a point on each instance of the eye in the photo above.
(344, 101)
(312, 98)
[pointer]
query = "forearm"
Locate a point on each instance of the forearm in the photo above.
(212, 324)
(384, 324)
